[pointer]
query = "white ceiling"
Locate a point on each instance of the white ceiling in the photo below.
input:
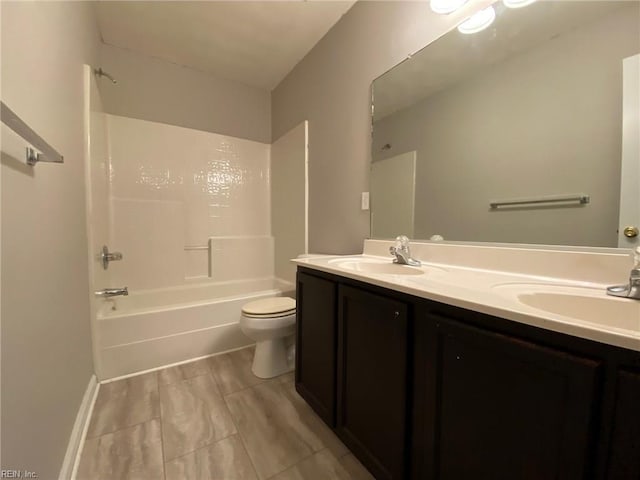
(256, 43)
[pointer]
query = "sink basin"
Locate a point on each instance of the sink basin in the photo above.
(374, 266)
(622, 313)
(382, 268)
(580, 303)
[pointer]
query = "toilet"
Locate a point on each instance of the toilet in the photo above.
(269, 322)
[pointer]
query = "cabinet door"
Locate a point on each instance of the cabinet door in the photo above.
(498, 407)
(316, 330)
(372, 380)
(624, 456)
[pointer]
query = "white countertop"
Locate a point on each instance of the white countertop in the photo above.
(495, 292)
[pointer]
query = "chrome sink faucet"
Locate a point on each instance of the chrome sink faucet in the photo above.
(632, 289)
(402, 252)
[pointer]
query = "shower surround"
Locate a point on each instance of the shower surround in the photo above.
(190, 211)
(187, 205)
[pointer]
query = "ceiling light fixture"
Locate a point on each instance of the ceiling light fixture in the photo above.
(478, 21)
(446, 6)
(517, 3)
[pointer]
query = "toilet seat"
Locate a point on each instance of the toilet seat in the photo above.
(275, 315)
(268, 323)
(273, 307)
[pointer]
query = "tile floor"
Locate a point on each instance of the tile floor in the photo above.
(211, 419)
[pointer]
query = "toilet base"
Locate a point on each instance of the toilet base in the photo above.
(270, 358)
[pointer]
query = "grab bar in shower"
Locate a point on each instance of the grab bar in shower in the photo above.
(579, 198)
(38, 150)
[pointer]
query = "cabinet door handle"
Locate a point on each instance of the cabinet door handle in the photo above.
(396, 314)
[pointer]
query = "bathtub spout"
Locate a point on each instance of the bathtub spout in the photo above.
(112, 292)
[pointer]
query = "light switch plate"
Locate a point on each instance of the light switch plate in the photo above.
(365, 201)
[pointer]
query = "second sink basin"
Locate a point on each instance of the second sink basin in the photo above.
(584, 304)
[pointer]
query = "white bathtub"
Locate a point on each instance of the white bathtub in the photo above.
(153, 328)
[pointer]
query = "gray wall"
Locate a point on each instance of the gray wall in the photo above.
(46, 341)
(546, 121)
(331, 88)
(159, 91)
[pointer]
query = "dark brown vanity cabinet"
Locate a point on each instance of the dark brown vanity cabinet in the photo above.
(498, 407)
(422, 390)
(316, 343)
(624, 451)
(352, 359)
(373, 333)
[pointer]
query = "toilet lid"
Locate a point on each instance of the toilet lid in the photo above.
(270, 306)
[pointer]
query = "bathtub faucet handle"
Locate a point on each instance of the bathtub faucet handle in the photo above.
(106, 256)
(112, 292)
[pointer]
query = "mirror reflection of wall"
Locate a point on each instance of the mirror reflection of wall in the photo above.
(529, 108)
(393, 188)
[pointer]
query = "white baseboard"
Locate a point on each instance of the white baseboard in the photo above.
(79, 432)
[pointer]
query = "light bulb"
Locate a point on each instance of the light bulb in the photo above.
(446, 6)
(478, 21)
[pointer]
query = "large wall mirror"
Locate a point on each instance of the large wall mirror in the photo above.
(525, 132)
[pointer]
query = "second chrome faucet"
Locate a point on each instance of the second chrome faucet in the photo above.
(631, 289)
